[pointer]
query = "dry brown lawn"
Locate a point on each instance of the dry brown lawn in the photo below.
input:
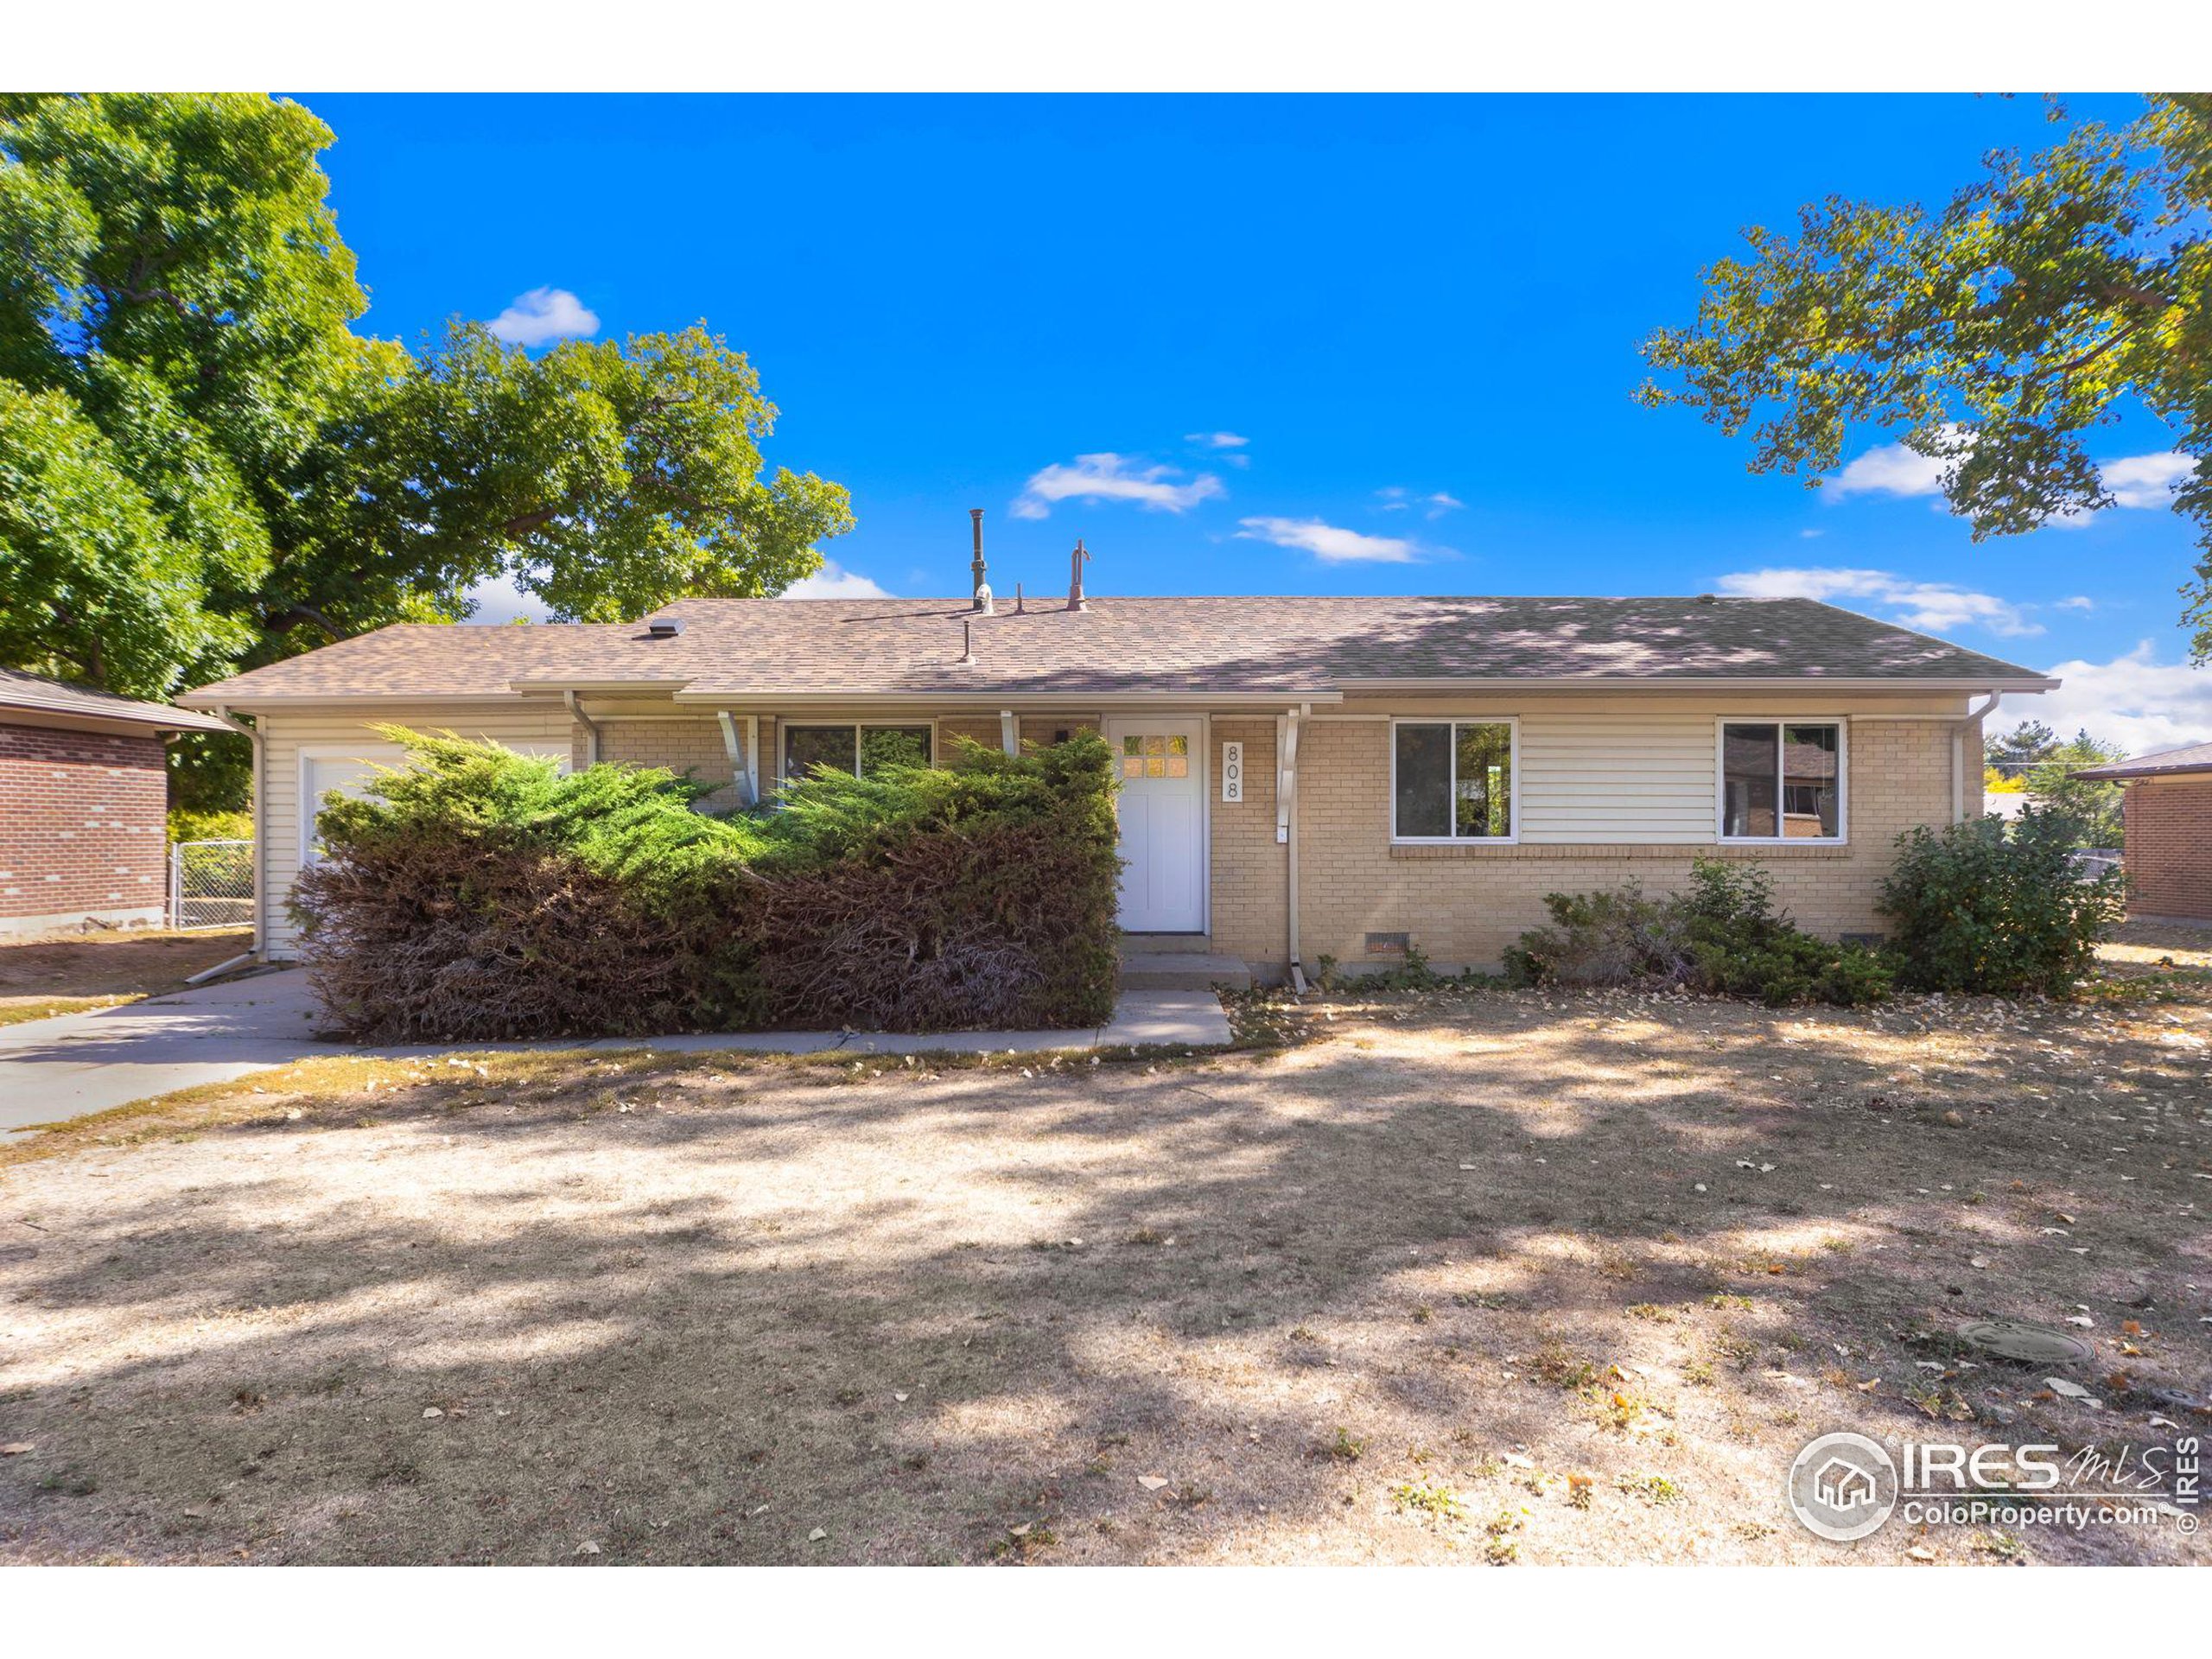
(65, 973)
(1477, 1277)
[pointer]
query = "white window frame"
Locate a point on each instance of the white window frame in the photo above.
(1512, 723)
(784, 727)
(1720, 725)
(385, 754)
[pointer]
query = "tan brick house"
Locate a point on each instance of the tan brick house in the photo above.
(2166, 808)
(83, 797)
(1301, 776)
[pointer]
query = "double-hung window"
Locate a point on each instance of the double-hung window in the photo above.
(1782, 780)
(1452, 780)
(861, 749)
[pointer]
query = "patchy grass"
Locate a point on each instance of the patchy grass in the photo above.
(56, 973)
(1036, 1310)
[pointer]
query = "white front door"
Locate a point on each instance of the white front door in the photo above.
(1163, 773)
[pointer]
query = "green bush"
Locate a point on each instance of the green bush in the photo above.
(1984, 907)
(1721, 934)
(190, 824)
(477, 893)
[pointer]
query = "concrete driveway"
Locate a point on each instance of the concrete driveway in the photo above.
(51, 1069)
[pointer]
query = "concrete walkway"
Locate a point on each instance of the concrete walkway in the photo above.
(56, 1068)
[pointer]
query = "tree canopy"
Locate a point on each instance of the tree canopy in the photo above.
(204, 467)
(1999, 330)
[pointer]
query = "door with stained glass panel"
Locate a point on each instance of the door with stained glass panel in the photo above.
(1162, 806)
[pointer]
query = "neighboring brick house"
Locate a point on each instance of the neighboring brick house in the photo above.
(2167, 812)
(83, 797)
(1301, 776)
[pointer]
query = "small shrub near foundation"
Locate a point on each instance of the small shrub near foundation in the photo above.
(1722, 934)
(477, 894)
(1985, 906)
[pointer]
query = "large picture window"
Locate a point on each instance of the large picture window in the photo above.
(1781, 781)
(1452, 780)
(860, 749)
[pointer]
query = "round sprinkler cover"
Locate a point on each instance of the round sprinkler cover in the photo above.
(2018, 1339)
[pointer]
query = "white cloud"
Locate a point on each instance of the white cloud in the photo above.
(1217, 440)
(544, 313)
(2135, 701)
(2078, 602)
(1109, 477)
(1932, 607)
(1893, 469)
(2146, 481)
(1327, 543)
(500, 600)
(1398, 498)
(833, 581)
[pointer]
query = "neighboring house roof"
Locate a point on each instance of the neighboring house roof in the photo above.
(2194, 757)
(825, 648)
(38, 696)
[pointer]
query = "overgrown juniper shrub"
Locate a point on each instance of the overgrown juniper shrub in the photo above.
(477, 893)
(1982, 907)
(1721, 934)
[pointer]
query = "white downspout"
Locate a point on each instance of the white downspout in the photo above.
(253, 734)
(1009, 732)
(1286, 832)
(591, 732)
(1959, 754)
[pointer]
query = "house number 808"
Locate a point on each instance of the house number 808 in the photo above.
(1232, 771)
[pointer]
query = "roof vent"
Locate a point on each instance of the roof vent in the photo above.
(664, 627)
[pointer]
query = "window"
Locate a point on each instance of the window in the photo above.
(1156, 755)
(1452, 780)
(860, 749)
(1781, 781)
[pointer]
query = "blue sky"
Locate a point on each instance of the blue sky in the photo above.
(1251, 345)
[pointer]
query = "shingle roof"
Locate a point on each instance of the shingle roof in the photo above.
(37, 694)
(887, 647)
(2194, 757)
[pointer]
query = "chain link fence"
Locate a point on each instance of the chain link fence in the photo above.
(211, 884)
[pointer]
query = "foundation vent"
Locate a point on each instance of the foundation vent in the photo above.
(1387, 945)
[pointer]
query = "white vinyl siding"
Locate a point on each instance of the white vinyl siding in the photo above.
(531, 729)
(1617, 778)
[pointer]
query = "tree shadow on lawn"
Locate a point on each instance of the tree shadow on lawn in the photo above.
(1324, 1296)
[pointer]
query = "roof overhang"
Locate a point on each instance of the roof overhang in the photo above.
(1708, 682)
(1198, 697)
(60, 720)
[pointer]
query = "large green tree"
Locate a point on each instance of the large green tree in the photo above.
(2041, 301)
(203, 466)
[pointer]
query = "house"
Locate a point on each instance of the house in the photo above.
(1844, 1486)
(1300, 776)
(2166, 810)
(84, 799)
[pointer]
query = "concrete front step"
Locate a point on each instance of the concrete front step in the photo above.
(1152, 943)
(1181, 970)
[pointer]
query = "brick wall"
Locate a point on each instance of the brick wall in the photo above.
(693, 746)
(81, 828)
(2170, 847)
(1249, 866)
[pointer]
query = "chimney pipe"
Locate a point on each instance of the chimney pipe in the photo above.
(1076, 600)
(982, 594)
